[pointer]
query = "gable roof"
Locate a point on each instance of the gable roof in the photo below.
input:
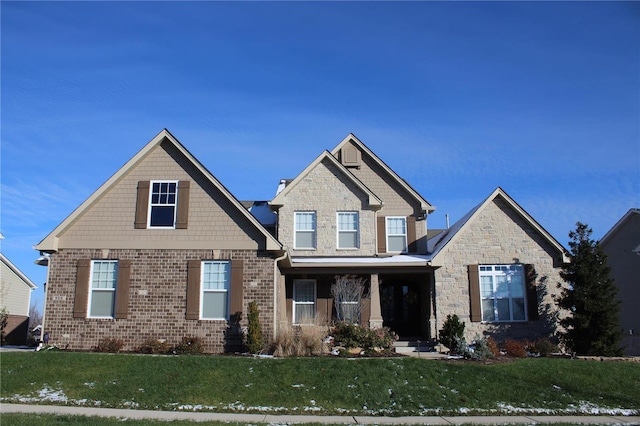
(436, 244)
(17, 271)
(618, 224)
(424, 204)
(278, 200)
(50, 242)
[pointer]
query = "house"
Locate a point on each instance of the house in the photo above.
(622, 246)
(162, 250)
(15, 297)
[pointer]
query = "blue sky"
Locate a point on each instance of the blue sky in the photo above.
(540, 98)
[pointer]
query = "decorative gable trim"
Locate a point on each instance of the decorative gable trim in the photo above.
(351, 138)
(50, 242)
(373, 200)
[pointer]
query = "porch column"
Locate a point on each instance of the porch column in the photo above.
(433, 320)
(375, 319)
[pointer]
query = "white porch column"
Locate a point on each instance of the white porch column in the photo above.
(375, 318)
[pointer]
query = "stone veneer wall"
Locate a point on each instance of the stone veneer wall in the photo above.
(497, 236)
(326, 191)
(157, 299)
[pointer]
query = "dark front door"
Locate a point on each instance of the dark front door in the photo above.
(401, 308)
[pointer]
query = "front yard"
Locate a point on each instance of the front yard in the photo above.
(321, 385)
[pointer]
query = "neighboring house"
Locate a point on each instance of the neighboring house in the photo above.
(15, 297)
(622, 246)
(498, 270)
(163, 250)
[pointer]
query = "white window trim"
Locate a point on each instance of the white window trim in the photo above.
(356, 231)
(226, 290)
(494, 273)
(294, 303)
(151, 205)
(91, 290)
(295, 230)
(387, 234)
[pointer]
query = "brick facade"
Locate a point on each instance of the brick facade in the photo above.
(157, 300)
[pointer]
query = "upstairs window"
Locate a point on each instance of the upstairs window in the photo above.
(347, 230)
(216, 280)
(305, 230)
(397, 234)
(162, 204)
(102, 294)
(502, 292)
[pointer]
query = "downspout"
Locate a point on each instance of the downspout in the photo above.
(276, 283)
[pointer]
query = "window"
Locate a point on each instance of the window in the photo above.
(102, 294)
(347, 230)
(216, 277)
(304, 301)
(502, 290)
(397, 234)
(163, 202)
(305, 230)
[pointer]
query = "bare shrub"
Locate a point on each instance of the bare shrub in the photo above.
(108, 344)
(515, 348)
(348, 292)
(154, 346)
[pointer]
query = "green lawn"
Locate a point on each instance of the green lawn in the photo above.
(323, 385)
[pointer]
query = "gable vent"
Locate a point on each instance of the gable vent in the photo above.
(350, 156)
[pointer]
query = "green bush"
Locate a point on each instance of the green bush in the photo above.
(111, 345)
(452, 329)
(254, 331)
(542, 347)
(190, 345)
(352, 336)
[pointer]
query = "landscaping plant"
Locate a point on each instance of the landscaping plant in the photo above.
(254, 330)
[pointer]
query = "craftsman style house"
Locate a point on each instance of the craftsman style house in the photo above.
(162, 250)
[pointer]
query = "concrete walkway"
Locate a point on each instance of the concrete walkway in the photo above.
(292, 419)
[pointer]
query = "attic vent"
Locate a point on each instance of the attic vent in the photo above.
(350, 156)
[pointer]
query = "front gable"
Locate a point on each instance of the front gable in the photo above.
(119, 215)
(321, 194)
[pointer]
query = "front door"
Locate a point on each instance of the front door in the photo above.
(401, 308)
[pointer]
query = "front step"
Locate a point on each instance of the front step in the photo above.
(411, 346)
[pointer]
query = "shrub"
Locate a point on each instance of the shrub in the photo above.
(154, 346)
(254, 331)
(111, 345)
(190, 345)
(310, 340)
(543, 347)
(452, 329)
(481, 349)
(492, 345)
(515, 348)
(355, 336)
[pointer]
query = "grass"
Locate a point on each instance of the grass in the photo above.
(69, 420)
(322, 385)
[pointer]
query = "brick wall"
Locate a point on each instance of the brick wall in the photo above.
(497, 236)
(157, 299)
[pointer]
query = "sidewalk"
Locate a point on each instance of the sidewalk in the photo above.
(293, 419)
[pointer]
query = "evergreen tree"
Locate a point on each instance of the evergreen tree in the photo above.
(592, 325)
(254, 331)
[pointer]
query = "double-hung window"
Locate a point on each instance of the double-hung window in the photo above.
(102, 294)
(304, 301)
(502, 291)
(397, 234)
(347, 230)
(216, 279)
(305, 230)
(162, 204)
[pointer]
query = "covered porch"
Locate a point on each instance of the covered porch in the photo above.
(398, 293)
